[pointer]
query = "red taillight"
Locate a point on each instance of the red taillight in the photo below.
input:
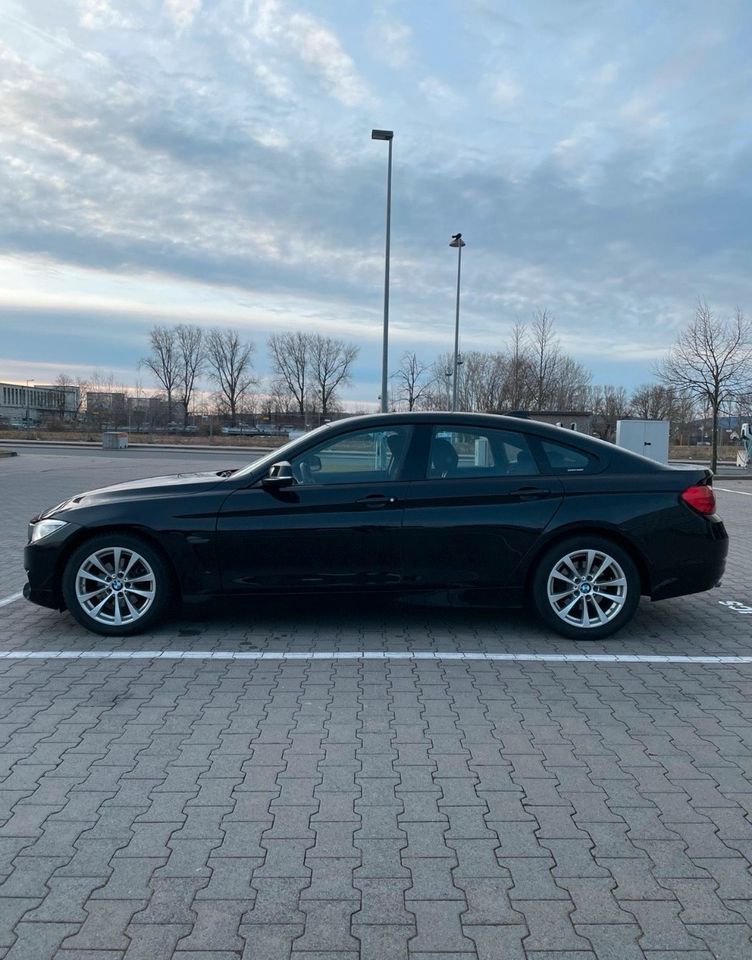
(700, 497)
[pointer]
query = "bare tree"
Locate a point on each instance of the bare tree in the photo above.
(712, 362)
(163, 361)
(67, 384)
(230, 365)
(608, 404)
(413, 380)
(290, 354)
(544, 348)
(519, 370)
(190, 360)
(331, 361)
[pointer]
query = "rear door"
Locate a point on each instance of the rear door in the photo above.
(481, 505)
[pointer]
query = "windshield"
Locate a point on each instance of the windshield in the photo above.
(279, 453)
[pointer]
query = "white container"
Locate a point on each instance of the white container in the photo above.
(647, 437)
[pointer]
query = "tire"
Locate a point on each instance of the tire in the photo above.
(582, 609)
(137, 602)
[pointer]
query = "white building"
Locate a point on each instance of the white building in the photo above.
(34, 404)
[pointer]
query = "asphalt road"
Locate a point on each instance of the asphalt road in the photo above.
(350, 780)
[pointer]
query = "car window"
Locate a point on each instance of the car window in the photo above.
(480, 452)
(362, 456)
(564, 459)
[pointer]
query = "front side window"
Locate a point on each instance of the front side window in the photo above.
(479, 452)
(363, 456)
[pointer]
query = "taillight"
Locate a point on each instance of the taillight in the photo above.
(700, 497)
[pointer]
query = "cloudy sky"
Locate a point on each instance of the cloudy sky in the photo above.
(210, 161)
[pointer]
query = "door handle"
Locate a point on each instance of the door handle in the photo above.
(375, 500)
(530, 493)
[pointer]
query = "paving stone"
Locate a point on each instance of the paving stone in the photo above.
(13, 910)
(383, 902)
(612, 941)
(171, 901)
(230, 879)
(148, 940)
(270, 941)
(432, 879)
(382, 941)
(327, 926)
(724, 941)
(105, 925)
(438, 927)
(488, 902)
(498, 942)
(65, 899)
(36, 941)
(661, 928)
(277, 901)
(216, 926)
(129, 880)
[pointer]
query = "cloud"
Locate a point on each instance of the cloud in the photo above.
(390, 39)
(182, 12)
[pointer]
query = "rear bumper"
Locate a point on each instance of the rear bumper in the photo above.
(698, 565)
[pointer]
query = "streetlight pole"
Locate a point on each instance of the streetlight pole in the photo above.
(459, 243)
(387, 135)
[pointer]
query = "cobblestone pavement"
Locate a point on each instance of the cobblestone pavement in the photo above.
(346, 808)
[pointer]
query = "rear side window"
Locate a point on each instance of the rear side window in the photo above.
(481, 452)
(564, 459)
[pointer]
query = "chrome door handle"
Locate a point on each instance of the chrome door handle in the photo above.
(375, 500)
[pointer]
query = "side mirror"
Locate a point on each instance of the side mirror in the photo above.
(279, 476)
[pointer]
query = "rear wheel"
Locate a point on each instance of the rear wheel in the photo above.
(116, 584)
(586, 588)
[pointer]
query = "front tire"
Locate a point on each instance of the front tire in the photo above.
(116, 584)
(586, 588)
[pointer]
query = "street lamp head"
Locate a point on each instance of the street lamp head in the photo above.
(457, 240)
(382, 134)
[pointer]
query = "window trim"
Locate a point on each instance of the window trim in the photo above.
(552, 471)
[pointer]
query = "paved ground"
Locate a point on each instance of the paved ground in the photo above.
(209, 809)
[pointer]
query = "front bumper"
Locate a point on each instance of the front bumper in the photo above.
(43, 562)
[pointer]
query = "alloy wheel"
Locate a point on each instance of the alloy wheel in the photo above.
(587, 588)
(115, 586)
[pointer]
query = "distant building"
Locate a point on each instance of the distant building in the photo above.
(33, 405)
(579, 420)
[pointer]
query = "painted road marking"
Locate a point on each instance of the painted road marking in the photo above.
(742, 493)
(11, 599)
(361, 655)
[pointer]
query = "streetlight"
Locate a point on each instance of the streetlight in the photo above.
(459, 243)
(387, 135)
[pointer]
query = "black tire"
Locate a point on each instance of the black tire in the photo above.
(159, 584)
(619, 610)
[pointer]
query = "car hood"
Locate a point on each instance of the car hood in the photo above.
(179, 483)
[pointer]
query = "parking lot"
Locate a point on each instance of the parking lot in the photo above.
(324, 779)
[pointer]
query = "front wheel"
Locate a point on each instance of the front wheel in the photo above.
(586, 588)
(116, 585)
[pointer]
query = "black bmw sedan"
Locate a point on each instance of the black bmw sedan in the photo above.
(479, 505)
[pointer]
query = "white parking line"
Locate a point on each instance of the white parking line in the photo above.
(742, 493)
(361, 655)
(11, 599)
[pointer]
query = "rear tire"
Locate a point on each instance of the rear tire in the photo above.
(117, 585)
(586, 588)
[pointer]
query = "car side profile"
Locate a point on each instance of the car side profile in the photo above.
(483, 506)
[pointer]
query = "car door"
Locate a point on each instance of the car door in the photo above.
(481, 505)
(336, 527)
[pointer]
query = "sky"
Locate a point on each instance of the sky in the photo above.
(210, 162)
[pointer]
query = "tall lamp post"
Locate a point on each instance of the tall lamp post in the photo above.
(459, 243)
(387, 135)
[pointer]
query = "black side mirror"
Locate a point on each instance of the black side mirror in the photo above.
(279, 476)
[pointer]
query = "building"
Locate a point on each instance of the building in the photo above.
(33, 405)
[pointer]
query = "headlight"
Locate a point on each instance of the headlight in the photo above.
(43, 528)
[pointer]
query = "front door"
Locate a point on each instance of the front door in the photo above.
(337, 527)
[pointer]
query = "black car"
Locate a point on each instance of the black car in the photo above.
(479, 505)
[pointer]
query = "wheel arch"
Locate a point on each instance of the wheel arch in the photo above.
(604, 533)
(90, 533)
